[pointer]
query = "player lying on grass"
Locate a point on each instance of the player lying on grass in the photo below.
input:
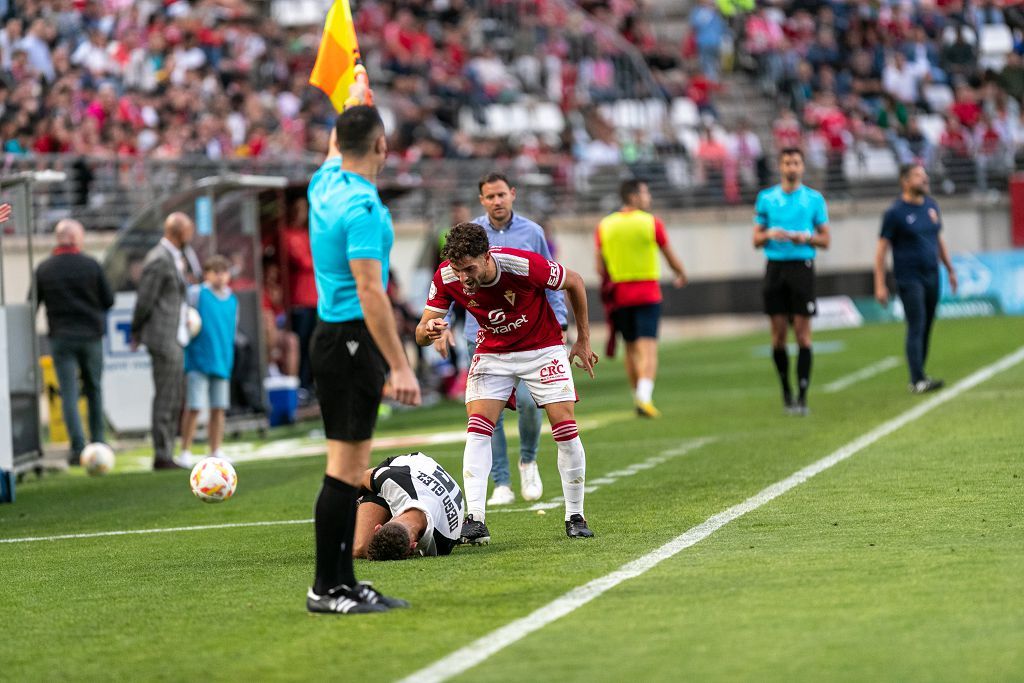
(410, 506)
(519, 339)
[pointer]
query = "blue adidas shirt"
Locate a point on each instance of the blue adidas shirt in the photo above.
(347, 220)
(801, 210)
(212, 352)
(913, 230)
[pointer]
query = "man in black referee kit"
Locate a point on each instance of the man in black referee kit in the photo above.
(790, 224)
(353, 348)
(911, 227)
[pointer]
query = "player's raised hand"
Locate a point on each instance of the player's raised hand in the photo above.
(444, 342)
(583, 357)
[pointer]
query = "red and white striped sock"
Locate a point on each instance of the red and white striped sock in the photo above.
(476, 464)
(572, 465)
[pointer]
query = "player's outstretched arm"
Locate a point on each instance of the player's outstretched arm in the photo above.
(577, 295)
(431, 328)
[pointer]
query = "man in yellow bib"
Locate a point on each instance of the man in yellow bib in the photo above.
(628, 242)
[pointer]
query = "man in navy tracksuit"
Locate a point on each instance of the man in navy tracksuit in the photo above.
(911, 227)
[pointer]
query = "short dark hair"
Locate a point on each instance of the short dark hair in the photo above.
(216, 264)
(786, 151)
(465, 239)
(628, 188)
(390, 542)
(358, 128)
(905, 170)
(492, 178)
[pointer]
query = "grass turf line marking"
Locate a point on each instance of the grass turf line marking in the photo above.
(474, 653)
(612, 477)
(881, 366)
(135, 532)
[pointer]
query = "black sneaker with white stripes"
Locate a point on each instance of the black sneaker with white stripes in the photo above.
(925, 385)
(366, 591)
(343, 600)
(474, 532)
(577, 527)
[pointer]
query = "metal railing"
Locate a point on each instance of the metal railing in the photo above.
(104, 193)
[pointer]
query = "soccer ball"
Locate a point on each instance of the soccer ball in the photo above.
(194, 322)
(97, 458)
(213, 480)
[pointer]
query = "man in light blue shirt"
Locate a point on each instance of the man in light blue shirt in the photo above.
(508, 229)
(791, 224)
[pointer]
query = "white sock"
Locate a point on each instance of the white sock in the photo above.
(572, 465)
(644, 390)
(476, 465)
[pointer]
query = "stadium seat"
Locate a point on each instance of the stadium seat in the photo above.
(468, 122)
(518, 119)
(685, 113)
(932, 126)
(497, 120)
(938, 96)
(994, 43)
(949, 35)
(546, 118)
(875, 163)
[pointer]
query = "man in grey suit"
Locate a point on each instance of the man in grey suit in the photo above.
(159, 323)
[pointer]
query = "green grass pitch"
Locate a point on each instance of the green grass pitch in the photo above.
(904, 562)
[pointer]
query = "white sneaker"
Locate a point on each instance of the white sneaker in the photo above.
(502, 495)
(184, 459)
(529, 477)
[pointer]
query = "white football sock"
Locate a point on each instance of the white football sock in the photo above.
(476, 465)
(572, 465)
(644, 390)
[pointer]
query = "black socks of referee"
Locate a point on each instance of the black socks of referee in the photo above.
(334, 522)
(781, 359)
(803, 371)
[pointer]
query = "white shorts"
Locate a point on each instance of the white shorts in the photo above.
(546, 372)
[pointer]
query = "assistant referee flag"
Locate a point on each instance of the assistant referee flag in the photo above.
(336, 61)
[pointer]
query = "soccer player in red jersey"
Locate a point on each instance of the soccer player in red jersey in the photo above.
(519, 338)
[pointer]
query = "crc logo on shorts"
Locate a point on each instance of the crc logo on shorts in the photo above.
(810, 307)
(553, 372)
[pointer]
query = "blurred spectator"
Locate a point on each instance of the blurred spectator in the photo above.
(77, 297)
(959, 57)
(912, 147)
(745, 148)
(301, 286)
(710, 31)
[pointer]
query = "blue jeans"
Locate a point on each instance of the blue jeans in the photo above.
(530, 419)
(71, 355)
(920, 296)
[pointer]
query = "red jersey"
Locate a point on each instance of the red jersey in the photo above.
(513, 310)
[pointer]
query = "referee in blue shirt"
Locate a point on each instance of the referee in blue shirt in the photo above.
(912, 229)
(354, 348)
(791, 224)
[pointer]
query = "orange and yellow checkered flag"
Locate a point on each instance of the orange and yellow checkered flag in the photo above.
(338, 64)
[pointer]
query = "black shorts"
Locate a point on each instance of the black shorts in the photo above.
(789, 288)
(633, 322)
(349, 372)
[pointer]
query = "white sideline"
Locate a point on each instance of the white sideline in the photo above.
(682, 449)
(479, 650)
(881, 366)
(131, 532)
(611, 477)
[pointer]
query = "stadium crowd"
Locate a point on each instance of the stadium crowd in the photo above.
(936, 82)
(174, 79)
